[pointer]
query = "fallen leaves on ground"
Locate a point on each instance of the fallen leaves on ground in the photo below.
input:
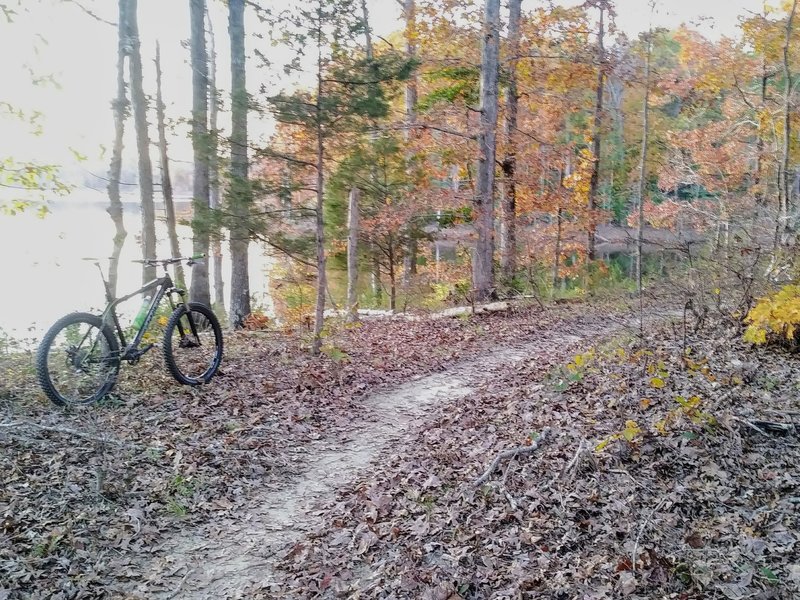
(676, 497)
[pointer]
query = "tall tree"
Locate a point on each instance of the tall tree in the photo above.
(352, 254)
(200, 291)
(139, 102)
(785, 215)
(643, 158)
(597, 128)
(411, 95)
(483, 262)
(508, 230)
(410, 17)
(214, 203)
(348, 98)
(120, 108)
(166, 180)
(239, 190)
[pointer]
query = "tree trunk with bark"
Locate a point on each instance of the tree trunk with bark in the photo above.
(120, 109)
(483, 263)
(391, 252)
(139, 103)
(213, 169)
(375, 277)
(200, 291)
(319, 312)
(757, 179)
(239, 185)
(643, 164)
(166, 180)
(785, 215)
(594, 182)
(557, 252)
(508, 227)
(352, 255)
(410, 17)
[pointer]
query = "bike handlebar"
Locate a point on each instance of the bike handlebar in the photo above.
(170, 261)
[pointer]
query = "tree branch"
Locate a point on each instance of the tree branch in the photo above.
(92, 14)
(512, 453)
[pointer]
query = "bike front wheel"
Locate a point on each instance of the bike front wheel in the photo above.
(193, 344)
(78, 360)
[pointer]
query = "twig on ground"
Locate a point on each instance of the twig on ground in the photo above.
(789, 413)
(752, 426)
(626, 473)
(773, 427)
(639, 534)
(177, 590)
(572, 464)
(513, 452)
(67, 431)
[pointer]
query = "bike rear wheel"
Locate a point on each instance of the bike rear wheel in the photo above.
(193, 344)
(78, 360)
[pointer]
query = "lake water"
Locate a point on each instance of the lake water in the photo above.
(43, 276)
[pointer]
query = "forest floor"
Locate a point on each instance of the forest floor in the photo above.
(645, 467)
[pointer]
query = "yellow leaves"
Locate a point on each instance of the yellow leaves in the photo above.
(657, 383)
(631, 430)
(629, 434)
(778, 314)
(601, 446)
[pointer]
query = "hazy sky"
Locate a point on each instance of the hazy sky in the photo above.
(57, 38)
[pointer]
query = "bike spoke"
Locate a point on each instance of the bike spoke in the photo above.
(80, 361)
(194, 345)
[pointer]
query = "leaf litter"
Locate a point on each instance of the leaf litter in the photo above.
(690, 503)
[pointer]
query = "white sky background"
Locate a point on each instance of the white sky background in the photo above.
(59, 39)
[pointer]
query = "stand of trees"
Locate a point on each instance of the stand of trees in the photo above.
(531, 124)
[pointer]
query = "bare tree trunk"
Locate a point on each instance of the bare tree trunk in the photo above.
(319, 313)
(392, 275)
(214, 183)
(200, 291)
(785, 224)
(594, 182)
(759, 194)
(410, 16)
(352, 255)
(120, 110)
(239, 185)
(557, 253)
(483, 264)
(508, 228)
(375, 277)
(139, 103)
(166, 181)
(643, 163)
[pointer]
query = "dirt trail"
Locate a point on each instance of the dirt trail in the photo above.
(223, 559)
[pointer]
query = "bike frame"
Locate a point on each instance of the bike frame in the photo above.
(161, 287)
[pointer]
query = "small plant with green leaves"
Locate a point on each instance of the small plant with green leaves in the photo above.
(688, 408)
(180, 488)
(630, 433)
(574, 371)
(337, 355)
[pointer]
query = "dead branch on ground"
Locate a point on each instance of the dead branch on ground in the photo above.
(512, 453)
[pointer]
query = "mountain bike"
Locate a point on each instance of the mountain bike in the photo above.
(79, 358)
